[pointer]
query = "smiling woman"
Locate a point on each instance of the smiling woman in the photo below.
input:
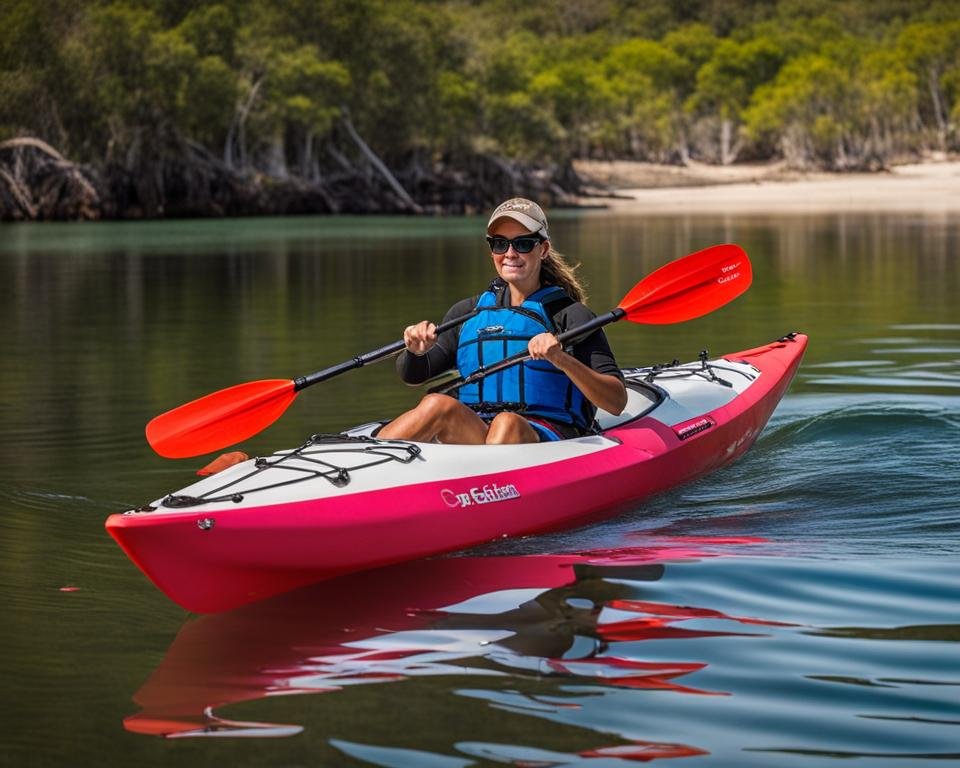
(551, 396)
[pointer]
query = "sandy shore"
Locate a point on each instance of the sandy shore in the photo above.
(930, 187)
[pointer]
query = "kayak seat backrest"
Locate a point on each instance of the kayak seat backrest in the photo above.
(641, 399)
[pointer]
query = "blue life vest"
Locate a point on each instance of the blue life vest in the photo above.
(533, 387)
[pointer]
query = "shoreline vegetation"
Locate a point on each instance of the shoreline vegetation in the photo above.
(52, 188)
(130, 109)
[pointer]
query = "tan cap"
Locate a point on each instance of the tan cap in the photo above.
(525, 211)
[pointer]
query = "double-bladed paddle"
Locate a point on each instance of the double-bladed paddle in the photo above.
(684, 289)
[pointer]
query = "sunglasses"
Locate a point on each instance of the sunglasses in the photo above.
(522, 244)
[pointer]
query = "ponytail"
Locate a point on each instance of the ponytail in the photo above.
(555, 270)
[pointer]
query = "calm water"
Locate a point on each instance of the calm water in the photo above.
(799, 607)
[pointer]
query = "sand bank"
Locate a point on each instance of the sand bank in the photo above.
(930, 187)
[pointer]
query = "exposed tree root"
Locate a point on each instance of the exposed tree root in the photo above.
(161, 174)
(38, 183)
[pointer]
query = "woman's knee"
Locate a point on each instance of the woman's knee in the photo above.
(507, 420)
(438, 405)
(510, 428)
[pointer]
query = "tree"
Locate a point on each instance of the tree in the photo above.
(804, 110)
(726, 82)
(304, 98)
(579, 99)
(890, 101)
(646, 78)
(694, 44)
(932, 51)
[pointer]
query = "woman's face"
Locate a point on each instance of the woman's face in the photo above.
(521, 270)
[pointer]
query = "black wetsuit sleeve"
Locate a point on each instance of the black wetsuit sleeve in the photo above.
(416, 369)
(593, 351)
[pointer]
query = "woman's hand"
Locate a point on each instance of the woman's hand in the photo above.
(420, 338)
(546, 347)
(601, 389)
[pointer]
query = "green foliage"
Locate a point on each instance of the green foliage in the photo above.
(727, 80)
(694, 45)
(932, 52)
(264, 83)
(807, 107)
(211, 29)
(891, 89)
(211, 95)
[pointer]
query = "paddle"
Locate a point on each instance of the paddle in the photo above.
(230, 415)
(684, 289)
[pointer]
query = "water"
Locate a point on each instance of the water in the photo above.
(795, 608)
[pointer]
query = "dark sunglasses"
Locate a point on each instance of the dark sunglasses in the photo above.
(522, 244)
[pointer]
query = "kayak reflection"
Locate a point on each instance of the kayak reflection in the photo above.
(537, 615)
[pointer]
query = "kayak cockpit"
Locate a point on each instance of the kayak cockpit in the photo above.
(641, 399)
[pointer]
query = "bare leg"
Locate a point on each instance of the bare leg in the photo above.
(511, 428)
(439, 417)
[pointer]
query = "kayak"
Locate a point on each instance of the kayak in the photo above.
(348, 502)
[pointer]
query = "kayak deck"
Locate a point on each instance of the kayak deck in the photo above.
(341, 459)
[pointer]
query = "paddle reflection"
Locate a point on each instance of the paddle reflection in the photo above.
(538, 616)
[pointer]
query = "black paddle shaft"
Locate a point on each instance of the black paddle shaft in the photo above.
(302, 382)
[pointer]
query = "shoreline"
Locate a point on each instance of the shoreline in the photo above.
(931, 187)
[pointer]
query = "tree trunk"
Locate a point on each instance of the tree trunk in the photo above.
(729, 145)
(277, 156)
(308, 168)
(377, 163)
(235, 146)
(938, 110)
(725, 130)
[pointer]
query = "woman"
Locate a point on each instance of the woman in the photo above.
(552, 396)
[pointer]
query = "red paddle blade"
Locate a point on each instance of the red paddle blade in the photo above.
(690, 287)
(220, 419)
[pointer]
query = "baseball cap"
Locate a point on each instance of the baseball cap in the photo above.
(525, 211)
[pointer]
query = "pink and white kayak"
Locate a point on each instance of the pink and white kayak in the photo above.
(349, 502)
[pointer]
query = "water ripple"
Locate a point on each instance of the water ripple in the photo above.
(752, 649)
(921, 363)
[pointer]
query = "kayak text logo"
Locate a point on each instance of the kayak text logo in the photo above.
(488, 494)
(694, 427)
